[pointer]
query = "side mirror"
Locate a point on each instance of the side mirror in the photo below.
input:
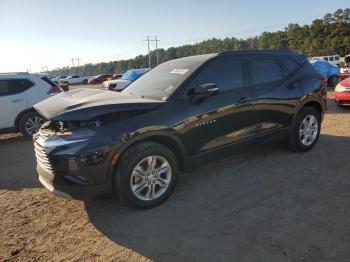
(203, 91)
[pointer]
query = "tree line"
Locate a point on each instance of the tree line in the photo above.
(327, 36)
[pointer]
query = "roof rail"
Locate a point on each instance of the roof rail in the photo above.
(15, 73)
(257, 51)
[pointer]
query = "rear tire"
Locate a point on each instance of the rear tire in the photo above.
(146, 175)
(306, 130)
(85, 82)
(30, 124)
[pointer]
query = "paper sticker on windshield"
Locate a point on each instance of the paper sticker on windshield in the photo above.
(179, 71)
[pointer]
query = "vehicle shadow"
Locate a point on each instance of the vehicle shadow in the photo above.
(17, 163)
(269, 204)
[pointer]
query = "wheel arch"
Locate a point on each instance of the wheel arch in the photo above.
(170, 141)
(20, 115)
(313, 103)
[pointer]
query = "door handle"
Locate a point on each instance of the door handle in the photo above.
(17, 100)
(293, 85)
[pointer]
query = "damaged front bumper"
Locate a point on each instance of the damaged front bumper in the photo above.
(74, 164)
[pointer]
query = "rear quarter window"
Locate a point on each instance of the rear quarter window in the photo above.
(265, 70)
(47, 80)
(14, 86)
(290, 64)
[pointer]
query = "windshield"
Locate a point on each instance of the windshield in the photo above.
(163, 80)
(132, 74)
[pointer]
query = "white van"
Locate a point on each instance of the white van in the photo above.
(333, 59)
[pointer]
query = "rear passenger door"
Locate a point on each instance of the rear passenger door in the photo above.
(13, 100)
(275, 93)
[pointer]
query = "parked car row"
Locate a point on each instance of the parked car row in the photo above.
(126, 79)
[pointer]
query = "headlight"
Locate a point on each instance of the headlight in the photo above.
(340, 88)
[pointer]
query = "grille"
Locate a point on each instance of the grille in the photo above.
(42, 158)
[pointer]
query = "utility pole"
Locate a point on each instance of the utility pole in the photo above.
(78, 59)
(155, 39)
(75, 59)
(149, 52)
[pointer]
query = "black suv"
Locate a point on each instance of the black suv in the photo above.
(178, 115)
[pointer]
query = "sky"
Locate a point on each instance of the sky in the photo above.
(37, 33)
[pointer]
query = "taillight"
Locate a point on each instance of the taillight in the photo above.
(54, 90)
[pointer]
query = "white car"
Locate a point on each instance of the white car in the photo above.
(18, 93)
(127, 78)
(75, 80)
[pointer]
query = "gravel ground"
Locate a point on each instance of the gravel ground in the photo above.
(268, 204)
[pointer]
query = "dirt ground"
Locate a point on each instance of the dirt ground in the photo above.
(269, 205)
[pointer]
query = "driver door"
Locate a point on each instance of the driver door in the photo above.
(221, 119)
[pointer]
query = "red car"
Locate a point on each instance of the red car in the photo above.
(100, 78)
(344, 73)
(342, 93)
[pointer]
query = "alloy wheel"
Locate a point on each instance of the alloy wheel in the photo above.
(308, 130)
(150, 178)
(33, 124)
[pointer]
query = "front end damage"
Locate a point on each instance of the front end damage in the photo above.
(74, 149)
(73, 162)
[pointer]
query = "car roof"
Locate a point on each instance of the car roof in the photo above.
(22, 75)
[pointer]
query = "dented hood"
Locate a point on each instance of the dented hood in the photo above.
(87, 104)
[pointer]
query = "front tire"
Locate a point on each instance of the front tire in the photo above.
(146, 176)
(306, 130)
(30, 124)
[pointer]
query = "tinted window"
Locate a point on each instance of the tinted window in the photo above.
(290, 65)
(325, 58)
(265, 71)
(75, 76)
(331, 58)
(226, 74)
(14, 86)
(47, 80)
(337, 58)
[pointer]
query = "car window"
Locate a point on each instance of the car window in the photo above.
(337, 58)
(75, 76)
(47, 80)
(290, 64)
(14, 86)
(325, 58)
(331, 59)
(265, 71)
(226, 74)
